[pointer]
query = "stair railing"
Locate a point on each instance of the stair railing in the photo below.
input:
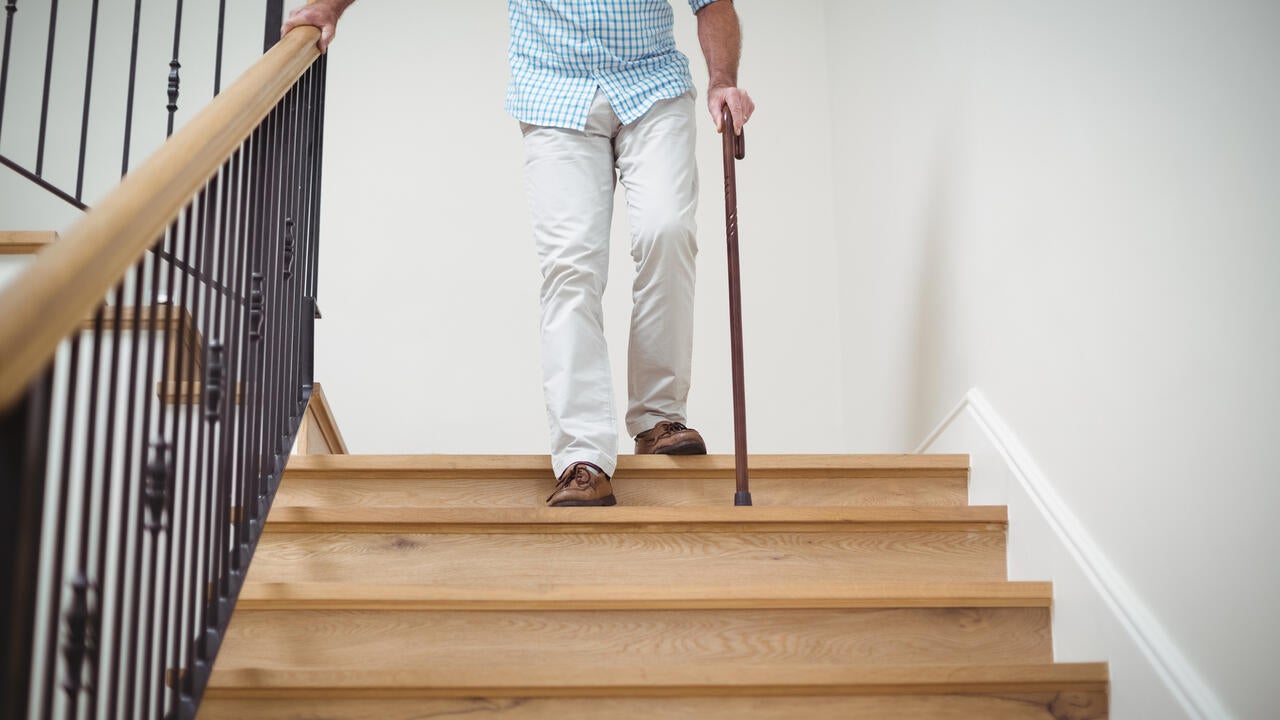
(52, 31)
(155, 365)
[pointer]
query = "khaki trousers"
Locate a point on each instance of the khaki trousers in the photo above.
(570, 178)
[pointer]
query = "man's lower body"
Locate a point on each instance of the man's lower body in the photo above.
(571, 176)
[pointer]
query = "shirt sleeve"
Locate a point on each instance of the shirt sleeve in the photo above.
(697, 5)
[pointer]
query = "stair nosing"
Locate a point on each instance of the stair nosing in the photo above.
(663, 680)
(429, 467)
(25, 242)
(372, 519)
(349, 596)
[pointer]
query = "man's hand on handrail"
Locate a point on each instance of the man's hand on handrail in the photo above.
(323, 14)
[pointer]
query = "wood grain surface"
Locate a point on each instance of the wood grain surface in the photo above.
(392, 587)
(635, 519)
(673, 596)
(548, 559)
(368, 640)
(1001, 706)
(320, 434)
(25, 242)
(797, 466)
(630, 490)
(662, 680)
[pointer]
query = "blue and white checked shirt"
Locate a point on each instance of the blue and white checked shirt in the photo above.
(562, 50)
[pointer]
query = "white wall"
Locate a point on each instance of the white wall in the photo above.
(1073, 207)
(428, 276)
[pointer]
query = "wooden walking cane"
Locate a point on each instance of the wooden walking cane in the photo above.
(735, 148)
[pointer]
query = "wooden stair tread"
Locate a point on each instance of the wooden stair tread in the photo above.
(355, 467)
(532, 680)
(391, 586)
(176, 320)
(631, 491)
(1050, 705)
(25, 242)
(636, 519)
(537, 559)
(359, 640)
(299, 595)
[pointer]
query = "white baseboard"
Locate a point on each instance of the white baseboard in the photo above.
(1143, 654)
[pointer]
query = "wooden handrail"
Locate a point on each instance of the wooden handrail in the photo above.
(50, 299)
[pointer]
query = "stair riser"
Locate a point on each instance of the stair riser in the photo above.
(631, 492)
(656, 558)
(366, 639)
(1015, 706)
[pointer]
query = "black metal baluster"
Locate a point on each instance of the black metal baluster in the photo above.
(207, 561)
(133, 81)
(322, 70)
(278, 376)
(302, 214)
(130, 501)
(78, 618)
(110, 481)
(174, 66)
(217, 62)
(157, 466)
(292, 391)
(288, 394)
(24, 446)
(171, 404)
(302, 187)
(273, 21)
(88, 92)
(168, 388)
(312, 201)
(216, 402)
(228, 539)
(279, 299)
(10, 7)
(58, 574)
(270, 326)
(249, 344)
(236, 309)
(157, 496)
(263, 416)
(261, 324)
(237, 349)
(207, 410)
(82, 617)
(189, 541)
(253, 332)
(48, 76)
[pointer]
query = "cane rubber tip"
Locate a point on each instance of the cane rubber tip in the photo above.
(742, 499)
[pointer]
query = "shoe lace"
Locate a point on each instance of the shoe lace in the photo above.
(571, 477)
(672, 428)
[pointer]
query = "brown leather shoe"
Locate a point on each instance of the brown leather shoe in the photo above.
(582, 485)
(670, 438)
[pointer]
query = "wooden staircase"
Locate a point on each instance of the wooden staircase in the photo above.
(400, 587)
(25, 242)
